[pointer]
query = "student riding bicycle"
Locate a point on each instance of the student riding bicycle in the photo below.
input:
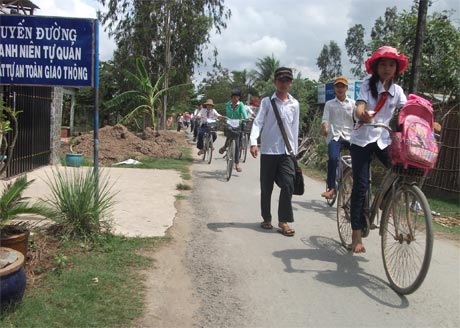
(208, 113)
(235, 110)
(337, 124)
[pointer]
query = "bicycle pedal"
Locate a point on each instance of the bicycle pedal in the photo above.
(374, 226)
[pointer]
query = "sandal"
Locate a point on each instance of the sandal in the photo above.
(285, 230)
(266, 225)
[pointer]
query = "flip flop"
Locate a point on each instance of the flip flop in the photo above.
(266, 225)
(287, 231)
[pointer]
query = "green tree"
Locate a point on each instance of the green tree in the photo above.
(329, 62)
(265, 68)
(145, 99)
(169, 36)
(356, 48)
(217, 86)
(384, 31)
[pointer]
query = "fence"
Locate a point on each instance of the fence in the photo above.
(32, 148)
(446, 175)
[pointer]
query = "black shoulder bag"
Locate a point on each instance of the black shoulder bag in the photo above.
(299, 186)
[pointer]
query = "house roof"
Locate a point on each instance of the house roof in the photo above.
(24, 7)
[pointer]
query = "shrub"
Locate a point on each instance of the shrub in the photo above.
(81, 203)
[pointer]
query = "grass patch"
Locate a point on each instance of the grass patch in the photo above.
(183, 186)
(446, 204)
(182, 165)
(99, 288)
(179, 197)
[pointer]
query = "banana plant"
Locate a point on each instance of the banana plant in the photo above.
(146, 97)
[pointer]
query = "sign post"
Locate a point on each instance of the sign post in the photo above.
(51, 51)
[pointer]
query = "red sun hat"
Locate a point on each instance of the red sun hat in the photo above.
(387, 52)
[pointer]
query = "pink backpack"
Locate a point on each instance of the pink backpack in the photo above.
(414, 144)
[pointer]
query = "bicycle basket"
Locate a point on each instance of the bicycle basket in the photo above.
(232, 132)
(410, 171)
(211, 126)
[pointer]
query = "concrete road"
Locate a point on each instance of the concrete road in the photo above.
(248, 277)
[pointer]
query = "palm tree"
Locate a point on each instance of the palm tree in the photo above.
(266, 68)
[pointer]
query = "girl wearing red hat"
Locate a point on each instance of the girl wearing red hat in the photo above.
(377, 100)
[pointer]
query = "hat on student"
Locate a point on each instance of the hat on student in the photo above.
(283, 72)
(236, 92)
(208, 102)
(341, 79)
(386, 52)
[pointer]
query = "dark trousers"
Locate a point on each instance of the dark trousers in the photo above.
(199, 143)
(361, 161)
(277, 169)
(196, 127)
(334, 148)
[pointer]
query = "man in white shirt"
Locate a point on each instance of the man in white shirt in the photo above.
(337, 124)
(276, 165)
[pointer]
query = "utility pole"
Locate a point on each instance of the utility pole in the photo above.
(419, 38)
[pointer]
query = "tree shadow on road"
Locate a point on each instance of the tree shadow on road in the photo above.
(348, 272)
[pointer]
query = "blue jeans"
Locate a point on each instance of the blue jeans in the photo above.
(334, 148)
(360, 162)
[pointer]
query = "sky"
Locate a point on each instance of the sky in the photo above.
(293, 31)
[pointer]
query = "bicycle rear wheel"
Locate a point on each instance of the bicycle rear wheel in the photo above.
(245, 146)
(407, 238)
(343, 208)
(210, 149)
(230, 159)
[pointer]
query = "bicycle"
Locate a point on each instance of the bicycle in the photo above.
(208, 146)
(244, 145)
(233, 132)
(338, 176)
(406, 227)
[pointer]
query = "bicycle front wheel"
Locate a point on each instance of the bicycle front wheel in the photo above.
(230, 158)
(407, 238)
(210, 149)
(343, 208)
(205, 146)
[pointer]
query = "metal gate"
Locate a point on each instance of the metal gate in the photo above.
(32, 148)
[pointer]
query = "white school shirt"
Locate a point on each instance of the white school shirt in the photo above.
(339, 117)
(213, 114)
(364, 135)
(265, 121)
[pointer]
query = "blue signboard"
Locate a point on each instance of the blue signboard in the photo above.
(51, 51)
(326, 91)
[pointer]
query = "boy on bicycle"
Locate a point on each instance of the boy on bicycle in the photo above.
(337, 124)
(235, 109)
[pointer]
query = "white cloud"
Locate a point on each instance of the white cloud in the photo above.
(294, 31)
(78, 9)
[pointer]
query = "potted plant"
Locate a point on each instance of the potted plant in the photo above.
(12, 277)
(12, 204)
(73, 159)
